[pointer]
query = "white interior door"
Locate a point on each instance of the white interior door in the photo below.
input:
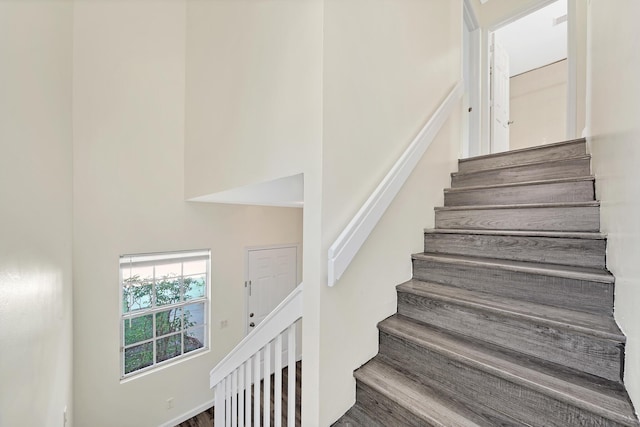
(272, 275)
(499, 97)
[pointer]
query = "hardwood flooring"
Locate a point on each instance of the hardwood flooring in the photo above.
(205, 419)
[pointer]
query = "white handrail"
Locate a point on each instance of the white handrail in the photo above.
(283, 316)
(348, 243)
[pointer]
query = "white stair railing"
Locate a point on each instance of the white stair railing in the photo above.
(250, 362)
(351, 239)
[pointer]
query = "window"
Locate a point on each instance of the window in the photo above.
(165, 306)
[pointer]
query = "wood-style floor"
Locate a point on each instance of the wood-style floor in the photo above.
(205, 419)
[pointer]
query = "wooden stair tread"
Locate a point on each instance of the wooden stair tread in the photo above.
(520, 165)
(523, 150)
(509, 314)
(518, 184)
(601, 398)
(356, 417)
(520, 233)
(519, 206)
(568, 272)
(421, 400)
(588, 323)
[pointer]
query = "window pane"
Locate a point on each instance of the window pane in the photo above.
(165, 307)
(137, 273)
(193, 339)
(167, 290)
(195, 267)
(193, 315)
(138, 357)
(168, 347)
(136, 295)
(171, 270)
(169, 321)
(195, 286)
(138, 329)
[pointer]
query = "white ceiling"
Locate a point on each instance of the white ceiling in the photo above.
(536, 40)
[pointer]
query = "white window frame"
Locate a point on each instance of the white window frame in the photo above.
(159, 259)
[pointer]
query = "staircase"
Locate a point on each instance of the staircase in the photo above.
(508, 320)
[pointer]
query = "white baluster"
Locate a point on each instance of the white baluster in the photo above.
(247, 405)
(242, 380)
(291, 370)
(219, 406)
(241, 370)
(234, 398)
(277, 372)
(267, 385)
(256, 389)
(227, 417)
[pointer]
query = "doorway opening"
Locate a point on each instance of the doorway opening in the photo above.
(529, 79)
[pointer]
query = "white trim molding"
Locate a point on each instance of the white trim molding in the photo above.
(470, 18)
(349, 242)
(572, 64)
(190, 414)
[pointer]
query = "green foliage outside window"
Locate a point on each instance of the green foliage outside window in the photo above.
(178, 329)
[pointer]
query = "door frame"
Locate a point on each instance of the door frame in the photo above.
(571, 113)
(249, 249)
(470, 145)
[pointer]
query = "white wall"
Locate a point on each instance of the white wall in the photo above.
(35, 213)
(614, 109)
(387, 66)
(129, 124)
(253, 91)
(534, 40)
(538, 106)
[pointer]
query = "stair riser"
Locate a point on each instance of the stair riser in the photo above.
(593, 355)
(577, 148)
(471, 384)
(575, 294)
(571, 168)
(385, 411)
(569, 251)
(576, 191)
(572, 218)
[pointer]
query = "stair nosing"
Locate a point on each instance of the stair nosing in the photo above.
(519, 184)
(522, 233)
(523, 150)
(591, 204)
(518, 165)
(485, 305)
(543, 269)
(508, 374)
(361, 375)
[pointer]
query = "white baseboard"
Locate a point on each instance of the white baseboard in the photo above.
(192, 413)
